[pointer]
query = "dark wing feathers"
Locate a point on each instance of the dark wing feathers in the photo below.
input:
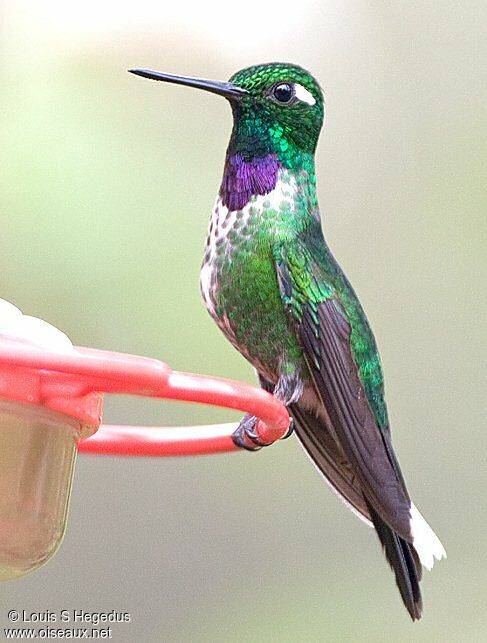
(352, 448)
(324, 332)
(338, 384)
(319, 442)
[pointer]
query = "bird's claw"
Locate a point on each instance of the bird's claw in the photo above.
(290, 430)
(246, 437)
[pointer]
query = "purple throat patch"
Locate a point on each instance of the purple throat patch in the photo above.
(244, 179)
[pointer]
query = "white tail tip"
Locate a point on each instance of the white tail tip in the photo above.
(425, 541)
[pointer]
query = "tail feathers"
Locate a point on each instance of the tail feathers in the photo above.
(425, 541)
(404, 562)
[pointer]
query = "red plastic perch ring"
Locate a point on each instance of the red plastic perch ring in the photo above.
(73, 383)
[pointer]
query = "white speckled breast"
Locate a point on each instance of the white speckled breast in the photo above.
(222, 222)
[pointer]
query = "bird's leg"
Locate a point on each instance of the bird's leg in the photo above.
(288, 389)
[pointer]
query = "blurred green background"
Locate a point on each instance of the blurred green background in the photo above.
(106, 186)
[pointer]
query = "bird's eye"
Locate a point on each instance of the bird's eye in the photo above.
(283, 93)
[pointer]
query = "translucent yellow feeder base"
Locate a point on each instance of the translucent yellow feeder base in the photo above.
(38, 451)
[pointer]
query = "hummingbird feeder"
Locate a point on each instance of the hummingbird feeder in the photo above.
(51, 402)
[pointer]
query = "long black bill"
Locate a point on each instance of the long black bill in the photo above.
(216, 87)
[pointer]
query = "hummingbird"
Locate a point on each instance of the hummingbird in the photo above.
(274, 288)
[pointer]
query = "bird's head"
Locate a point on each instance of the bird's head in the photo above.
(278, 109)
(281, 112)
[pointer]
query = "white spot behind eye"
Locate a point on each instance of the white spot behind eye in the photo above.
(303, 94)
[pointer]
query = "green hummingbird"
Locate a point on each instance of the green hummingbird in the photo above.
(276, 291)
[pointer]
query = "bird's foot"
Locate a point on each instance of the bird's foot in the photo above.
(290, 430)
(246, 435)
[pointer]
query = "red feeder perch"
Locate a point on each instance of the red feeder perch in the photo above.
(51, 401)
